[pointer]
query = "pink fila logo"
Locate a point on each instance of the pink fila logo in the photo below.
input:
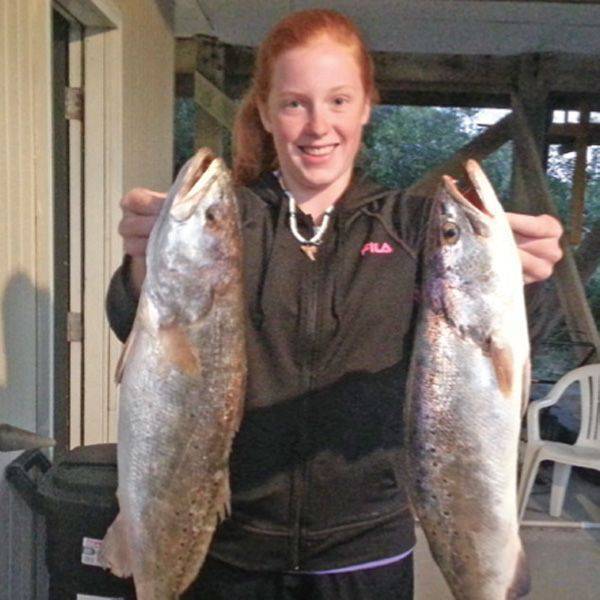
(376, 248)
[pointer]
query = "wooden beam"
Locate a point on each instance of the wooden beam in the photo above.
(567, 133)
(186, 55)
(579, 178)
(494, 72)
(479, 148)
(532, 94)
(216, 110)
(443, 95)
(571, 292)
(544, 1)
(456, 80)
(571, 73)
(209, 97)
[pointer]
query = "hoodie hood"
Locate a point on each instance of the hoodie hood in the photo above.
(361, 191)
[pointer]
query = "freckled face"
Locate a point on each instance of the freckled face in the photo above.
(315, 111)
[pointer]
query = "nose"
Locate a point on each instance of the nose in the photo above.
(318, 124)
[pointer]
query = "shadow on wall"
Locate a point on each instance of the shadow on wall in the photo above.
(167, 10)
(24, 337)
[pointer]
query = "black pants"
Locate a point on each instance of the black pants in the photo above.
(220, 581)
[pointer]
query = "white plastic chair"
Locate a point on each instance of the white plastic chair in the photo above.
(584, 453)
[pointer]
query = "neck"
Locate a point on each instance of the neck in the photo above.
(315, 202)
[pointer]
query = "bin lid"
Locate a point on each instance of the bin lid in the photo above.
(86, 475)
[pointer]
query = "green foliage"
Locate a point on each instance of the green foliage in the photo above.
(402, 143)
(186, 111)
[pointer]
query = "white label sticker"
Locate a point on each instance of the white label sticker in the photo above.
(88, 597)
(90, 548)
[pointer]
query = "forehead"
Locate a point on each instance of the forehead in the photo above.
(322, 61)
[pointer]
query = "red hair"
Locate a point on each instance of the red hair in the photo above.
(254, 151)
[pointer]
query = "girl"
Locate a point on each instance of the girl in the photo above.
(319, 509)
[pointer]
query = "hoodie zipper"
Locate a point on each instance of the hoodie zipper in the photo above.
(314, 275)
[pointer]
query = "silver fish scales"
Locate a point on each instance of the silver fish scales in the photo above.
(468, 382)
(182, 387)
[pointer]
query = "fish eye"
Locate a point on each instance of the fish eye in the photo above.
(210, 216)
(450, 233)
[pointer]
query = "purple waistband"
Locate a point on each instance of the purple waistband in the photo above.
(369, 565)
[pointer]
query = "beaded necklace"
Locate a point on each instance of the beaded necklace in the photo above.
(311, 245)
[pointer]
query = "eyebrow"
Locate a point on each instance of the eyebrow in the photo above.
(337, 88)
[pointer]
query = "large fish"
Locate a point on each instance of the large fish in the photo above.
(13, 438)
(182, 387)
(468, 383)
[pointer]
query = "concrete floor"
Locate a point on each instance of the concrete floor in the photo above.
(564, 563)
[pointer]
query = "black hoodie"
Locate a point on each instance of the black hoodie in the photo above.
(317, 465)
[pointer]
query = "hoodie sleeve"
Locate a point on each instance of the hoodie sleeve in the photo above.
(411, 217)
(121, 302)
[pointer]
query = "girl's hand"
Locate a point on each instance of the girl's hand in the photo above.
(538, 241)
(140, 207)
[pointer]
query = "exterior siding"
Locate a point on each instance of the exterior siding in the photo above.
(25, 269)
(143, 107)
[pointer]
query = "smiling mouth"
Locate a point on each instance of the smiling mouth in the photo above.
(318, 150)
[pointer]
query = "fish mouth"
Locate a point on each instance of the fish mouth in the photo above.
(466, 195)
(202, 170)
(199, 165)
(475, 192)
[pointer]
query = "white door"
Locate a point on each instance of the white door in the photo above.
(44, 236)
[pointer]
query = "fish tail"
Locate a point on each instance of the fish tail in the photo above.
(521, 583)
(151, 590)
(115, 553)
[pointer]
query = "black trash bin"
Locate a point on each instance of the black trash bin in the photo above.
(77, 498)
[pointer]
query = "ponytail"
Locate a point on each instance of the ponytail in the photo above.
(253, 150)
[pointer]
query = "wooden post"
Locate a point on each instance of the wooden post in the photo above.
(532, 94)
(210, 60)
(199, 76)
(479, 148)
(580, 321)
(579, 176)
(213, 101)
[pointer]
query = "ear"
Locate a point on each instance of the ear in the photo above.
(264, 117)
(366, 113)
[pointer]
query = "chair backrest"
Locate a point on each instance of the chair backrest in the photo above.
(589, 383)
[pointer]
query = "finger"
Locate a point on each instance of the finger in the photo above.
(545, 249)
(136, 225)
(540, 226)
(534, 269)
(143, 201)
(135, 246)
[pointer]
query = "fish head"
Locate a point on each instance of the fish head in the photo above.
(471, 262)
(196, 247)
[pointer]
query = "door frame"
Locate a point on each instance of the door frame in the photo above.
(93, 401)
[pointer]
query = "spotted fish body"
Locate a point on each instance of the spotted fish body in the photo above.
(469, 376)
(182, 387)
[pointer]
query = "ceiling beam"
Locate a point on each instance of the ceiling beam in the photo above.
(455, 80)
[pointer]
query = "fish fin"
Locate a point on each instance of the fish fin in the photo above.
(223, 499)
(150, 590)
(179, 350)
(525, 387)
(521, 583)
(502, 360)
(125, 353)
(115, 553)
(13, 438)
